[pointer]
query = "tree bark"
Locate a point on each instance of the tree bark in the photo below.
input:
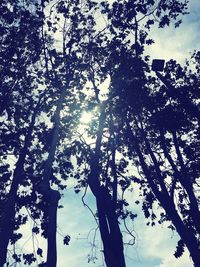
(7, 225)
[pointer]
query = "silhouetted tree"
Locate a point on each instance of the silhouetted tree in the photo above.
(118, 57)
(162, 137)
(47, 83)
(49, 50)
(19, 27)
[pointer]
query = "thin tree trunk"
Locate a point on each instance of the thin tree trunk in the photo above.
(187, 184)
(7, 223)
(184, 179)
(184, 232)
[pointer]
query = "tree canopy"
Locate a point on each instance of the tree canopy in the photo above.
(55, 56)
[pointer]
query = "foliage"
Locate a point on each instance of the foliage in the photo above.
(55, 55)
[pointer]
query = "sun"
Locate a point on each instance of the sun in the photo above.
(86, 117)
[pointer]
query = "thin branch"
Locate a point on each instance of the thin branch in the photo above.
(85, 205)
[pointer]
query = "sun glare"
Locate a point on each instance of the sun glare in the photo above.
(86, 117)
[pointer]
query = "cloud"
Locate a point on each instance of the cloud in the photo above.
(177, 43)
(184, 261)
(155, 246)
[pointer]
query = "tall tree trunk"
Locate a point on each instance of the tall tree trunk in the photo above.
(7, 220)
(108, 223)
(110, 230)
(186, 182)
(184, 232)
(52, 226)
(184, 179)
(52, 196)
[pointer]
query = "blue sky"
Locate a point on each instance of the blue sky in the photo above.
(154, 246)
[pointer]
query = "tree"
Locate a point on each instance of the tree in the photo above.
(49, 81)
(53, 83)
(19, 25)
(160, 134)
(124, 66)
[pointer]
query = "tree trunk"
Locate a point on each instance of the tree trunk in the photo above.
(7, 225)
(185, 233)
(108, 223)
(54, 197)
(167, 203)
(186, 182)
(110, 231)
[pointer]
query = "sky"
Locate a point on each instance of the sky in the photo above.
(178, 43)
(154, 246)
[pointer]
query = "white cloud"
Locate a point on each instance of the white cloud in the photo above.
(184, 261)
(177, 43)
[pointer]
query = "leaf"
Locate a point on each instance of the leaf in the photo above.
(179, 249)
(150, 22)
(132, 216)
(15, 238)
(29, 258)
(164, 21)
(149, 41)
(35, 230)
(66, 240)
(17, 257)
(39, 252)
